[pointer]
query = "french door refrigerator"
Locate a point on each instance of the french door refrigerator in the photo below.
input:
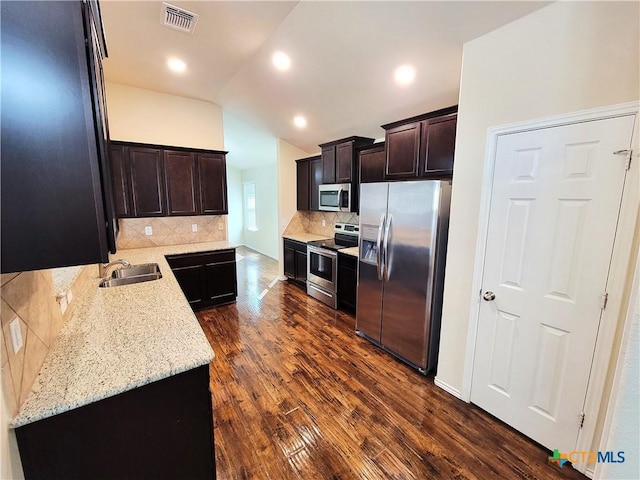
(403, 242)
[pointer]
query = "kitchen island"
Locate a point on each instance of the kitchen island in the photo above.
(132, 354)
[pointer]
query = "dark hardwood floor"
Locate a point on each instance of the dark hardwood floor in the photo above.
(297, 395)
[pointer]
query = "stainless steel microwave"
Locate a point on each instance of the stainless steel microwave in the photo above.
(336, 197)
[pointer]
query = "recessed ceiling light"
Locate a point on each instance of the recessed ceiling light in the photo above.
(176, 65)
(405, 74)
(281, 61)
(299, 121)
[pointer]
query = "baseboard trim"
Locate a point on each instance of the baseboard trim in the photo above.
(448, 388)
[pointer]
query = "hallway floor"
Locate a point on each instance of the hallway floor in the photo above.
(297, 395)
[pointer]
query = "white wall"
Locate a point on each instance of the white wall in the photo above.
(565, 57)
(623, 430)
(234, 193)
(287, 156)
(138, 115)
(266, 239)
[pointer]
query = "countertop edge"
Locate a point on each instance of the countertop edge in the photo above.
(36, 408)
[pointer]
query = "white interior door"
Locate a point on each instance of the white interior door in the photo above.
(554, 208)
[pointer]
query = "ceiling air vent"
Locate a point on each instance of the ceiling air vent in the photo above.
(178, 18)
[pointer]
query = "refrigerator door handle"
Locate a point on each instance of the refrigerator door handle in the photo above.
(387, 265)
(379, 265)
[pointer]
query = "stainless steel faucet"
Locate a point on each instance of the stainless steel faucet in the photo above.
(105, 267)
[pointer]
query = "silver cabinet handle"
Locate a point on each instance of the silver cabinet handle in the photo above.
(379, 246)
(387, 265)
(489, 296)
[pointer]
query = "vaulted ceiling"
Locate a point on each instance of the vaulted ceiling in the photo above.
(343, 57)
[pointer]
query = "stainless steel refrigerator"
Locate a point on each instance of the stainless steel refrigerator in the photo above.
(403, 242)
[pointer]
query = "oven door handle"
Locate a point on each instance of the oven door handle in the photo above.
(379, 265)
(322, 251)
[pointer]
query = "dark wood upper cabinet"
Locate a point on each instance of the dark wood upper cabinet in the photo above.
(120, 181)
(156, 180)
(403, 147)
(438, 145)
(329, 164)
(421, 146)
(181, 183)
(302, 185)
(344, 162)
(372, 162)
(315, 180)
(308, 181)
(147, 181)
(340, 160)
(55, 208)
(213, 183)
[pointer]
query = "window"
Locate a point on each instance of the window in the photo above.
(249, 198)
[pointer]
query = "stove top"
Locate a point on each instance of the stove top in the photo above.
(329, 243)
(346, 235)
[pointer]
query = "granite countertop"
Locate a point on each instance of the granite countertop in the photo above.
(350, 251)
(120, 338)
(304, 237)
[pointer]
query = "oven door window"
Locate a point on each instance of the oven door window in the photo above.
(321, 266)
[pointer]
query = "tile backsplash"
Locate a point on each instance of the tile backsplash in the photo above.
(29, 297)
(171, 230)
(311, 222)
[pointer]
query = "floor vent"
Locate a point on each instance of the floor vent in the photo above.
(178, 18)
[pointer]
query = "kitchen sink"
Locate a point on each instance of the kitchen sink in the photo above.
(145, 272)
(136, 270)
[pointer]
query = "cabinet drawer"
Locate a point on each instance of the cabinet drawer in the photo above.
(201, 258)
(295, 245)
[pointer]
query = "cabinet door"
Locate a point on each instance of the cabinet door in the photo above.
(301, 266)
(181, 183)
(120, 185)
(302, 185)
(222, 285)
(147, 182)
(402, 145)
(329, 164)
(52, 199)
(438, 145)
(315, 180)
(213, 183)
(372, 165)
(289, 261)
(347, 282)
(344, 162)
(192, 282)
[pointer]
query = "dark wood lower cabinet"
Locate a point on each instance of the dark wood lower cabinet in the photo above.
(191, 280)
(163, 430)
(206, 278)
(347, 282)
(295, 262)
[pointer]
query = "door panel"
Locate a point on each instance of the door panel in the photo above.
(120, 180)
(344, 162)
(554, 208)
(410, 261)
(315, 180)
(369, 299)
(212, 172)
(182, 183)
(147, 185)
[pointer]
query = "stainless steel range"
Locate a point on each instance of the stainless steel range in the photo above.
(322, 262)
